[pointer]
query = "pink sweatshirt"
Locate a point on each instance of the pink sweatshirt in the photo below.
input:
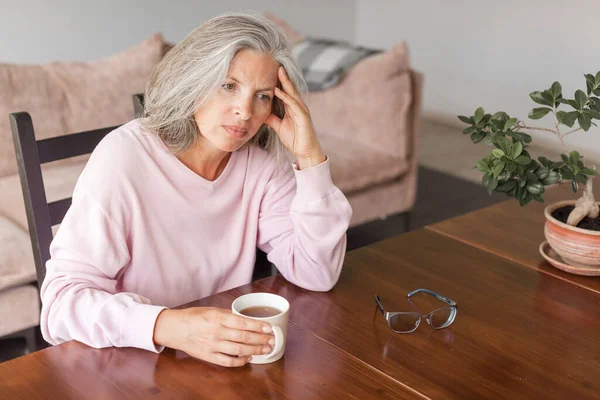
(144, 232)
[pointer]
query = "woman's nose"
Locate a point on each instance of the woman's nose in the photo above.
(244, 108)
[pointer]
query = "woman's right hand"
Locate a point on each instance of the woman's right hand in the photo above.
(215, 335)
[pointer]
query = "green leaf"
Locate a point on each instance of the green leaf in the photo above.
(597, 78)
(478, 136)
(595, 103)
(556, 165)
(539, 112)
(498, 168)
(520, 136)
(539, 198)
(585, 122)
(510, 123)
(523, 160)
(505, 187)
(490, 182)
(519, 190)
(595, 114)
(479, 114)
(580, 98)
(500, 116)
(535, 188)
(575, 186)
(511, 167)
(565, 158)
(497, 153)
(542, 173)
(581, 178)
(540, 99)
(470, 130)
(545, 162)
(531, 177)
(569, 118)
(517, 150)
(590, 79)
(556, 90)
(547, 95)
(466, 120)
(574, 157)
(567, 174)
(589, 171)
(560, 115)
(483, 167)
(504, 144)
(573, 104)
(551, 179)
(526, 199)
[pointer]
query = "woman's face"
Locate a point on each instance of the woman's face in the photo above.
(241, 105)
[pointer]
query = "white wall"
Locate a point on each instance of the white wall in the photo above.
(36, 31)
(491, 53)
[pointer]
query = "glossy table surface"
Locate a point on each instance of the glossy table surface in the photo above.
(523, 330)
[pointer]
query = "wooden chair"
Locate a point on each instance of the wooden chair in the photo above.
(41, 215)
(31, 154)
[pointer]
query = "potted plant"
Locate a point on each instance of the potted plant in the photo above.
(572, 228)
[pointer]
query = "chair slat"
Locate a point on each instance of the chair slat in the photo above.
(58, 209)
(67, 146)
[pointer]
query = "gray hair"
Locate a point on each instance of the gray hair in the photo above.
(196, 67)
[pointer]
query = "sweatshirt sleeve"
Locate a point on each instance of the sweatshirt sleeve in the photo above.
(302, 226)
(80, 300)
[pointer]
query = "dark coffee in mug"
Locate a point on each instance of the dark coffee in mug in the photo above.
(260, 311)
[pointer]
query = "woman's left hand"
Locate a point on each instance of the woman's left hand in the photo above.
(295, 130)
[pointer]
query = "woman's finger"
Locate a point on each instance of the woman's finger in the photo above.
(238, 349)
(290, 89)
(245, 337)
(227, 361)
(246, 324)
(289, 102)
(274, 122)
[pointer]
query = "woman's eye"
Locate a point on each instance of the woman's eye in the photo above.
(228, 86)
(264, 97)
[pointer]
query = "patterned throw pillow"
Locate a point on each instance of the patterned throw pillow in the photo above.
(324, 62)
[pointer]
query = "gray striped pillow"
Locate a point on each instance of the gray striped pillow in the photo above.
(324, 62)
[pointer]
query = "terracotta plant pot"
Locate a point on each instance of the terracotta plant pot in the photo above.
(577, 247)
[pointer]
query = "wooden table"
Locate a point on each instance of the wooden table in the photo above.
(523, 330)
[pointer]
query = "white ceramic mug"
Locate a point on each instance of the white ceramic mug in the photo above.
(278, 322)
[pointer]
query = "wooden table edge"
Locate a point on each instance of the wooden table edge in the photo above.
(433, 228)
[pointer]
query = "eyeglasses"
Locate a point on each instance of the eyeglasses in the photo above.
(407, 322)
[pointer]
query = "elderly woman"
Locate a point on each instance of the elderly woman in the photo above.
(171, 207)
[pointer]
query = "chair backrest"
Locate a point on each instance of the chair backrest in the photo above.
(31, 154)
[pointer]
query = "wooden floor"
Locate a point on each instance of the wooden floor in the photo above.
(439, 197)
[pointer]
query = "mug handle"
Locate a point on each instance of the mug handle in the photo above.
(278, 342)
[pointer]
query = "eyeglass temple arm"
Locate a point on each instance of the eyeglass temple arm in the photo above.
(379, 306)
(434, 294)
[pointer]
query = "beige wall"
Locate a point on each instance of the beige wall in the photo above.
(491, 53)
(34, 31)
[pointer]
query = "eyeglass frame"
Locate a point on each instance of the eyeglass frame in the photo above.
(451, 304)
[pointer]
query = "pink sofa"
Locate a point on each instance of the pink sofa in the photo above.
(367, 124)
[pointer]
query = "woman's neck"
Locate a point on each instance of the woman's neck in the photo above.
(204, 162)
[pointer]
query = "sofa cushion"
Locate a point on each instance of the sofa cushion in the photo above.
(19, 309)
(16, 259)
(371, 105)
(68, 97)
(356, 167)
(59, 182)
(324, 62)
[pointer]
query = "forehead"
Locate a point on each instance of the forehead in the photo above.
(252, 66)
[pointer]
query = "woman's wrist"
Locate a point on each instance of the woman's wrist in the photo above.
(166, 328)
(311, 160)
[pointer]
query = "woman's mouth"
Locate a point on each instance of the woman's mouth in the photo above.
(236, 131)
